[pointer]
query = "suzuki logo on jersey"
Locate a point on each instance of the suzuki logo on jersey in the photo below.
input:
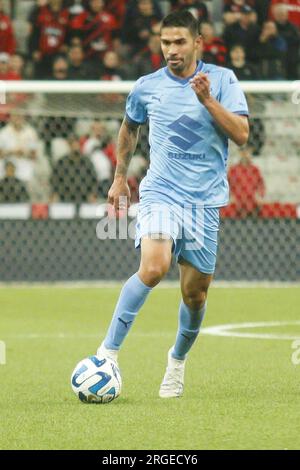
(184, 126)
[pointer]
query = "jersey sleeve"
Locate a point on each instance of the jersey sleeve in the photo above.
(136, 111)
(232, 96)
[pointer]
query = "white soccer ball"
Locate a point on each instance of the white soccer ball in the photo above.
(96, 380)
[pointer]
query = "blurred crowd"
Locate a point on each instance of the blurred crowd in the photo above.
(119, 39)
(58, 158)
(77, 168)
(81, 169)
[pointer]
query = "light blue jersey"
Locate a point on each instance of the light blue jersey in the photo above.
(188, 152)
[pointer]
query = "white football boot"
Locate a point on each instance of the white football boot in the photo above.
(172, 384)
(112, 354)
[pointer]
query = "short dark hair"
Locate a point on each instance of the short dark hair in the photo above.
(181, 19)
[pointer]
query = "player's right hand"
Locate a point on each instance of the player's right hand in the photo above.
(119, 194)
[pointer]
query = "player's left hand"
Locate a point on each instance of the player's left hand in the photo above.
(201, 85)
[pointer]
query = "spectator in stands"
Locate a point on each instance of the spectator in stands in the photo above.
(244, 32)
(242, 69)
(75, 41)
(11, 188)
(97, 28)
(133, 5)
(16, 66)
(78, 67)
(48, 30)
(11, 67)
(271, 50)
(74, 178)
(131, 9)
(118, 9)
(76, 9)
(13, 100)
(60, 69)
(155, 28)
(95, 149)
(196, 7)
(5, 71)
(19, 142)
(137, 28)
(262, 9)
(293, 8)
(291, 34)
(233, 10)
(214, 49)
(111, 69)
(7, 36)
(149, 59)
(101, 150)
(247, 188)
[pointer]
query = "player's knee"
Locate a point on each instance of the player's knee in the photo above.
(195, 298)
(152, 274)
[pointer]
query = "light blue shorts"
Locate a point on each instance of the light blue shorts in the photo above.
(193, 227)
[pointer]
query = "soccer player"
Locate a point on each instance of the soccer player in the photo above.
(192, 108)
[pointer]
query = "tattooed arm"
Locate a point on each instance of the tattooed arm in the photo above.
(126, 145)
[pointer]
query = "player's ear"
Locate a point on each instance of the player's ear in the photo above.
(199, 39)
(199, 42)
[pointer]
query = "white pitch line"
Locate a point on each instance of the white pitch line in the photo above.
(226, 330)
(217, 330)
(79, 336)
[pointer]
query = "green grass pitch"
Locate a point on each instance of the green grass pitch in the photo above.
(239, 393)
